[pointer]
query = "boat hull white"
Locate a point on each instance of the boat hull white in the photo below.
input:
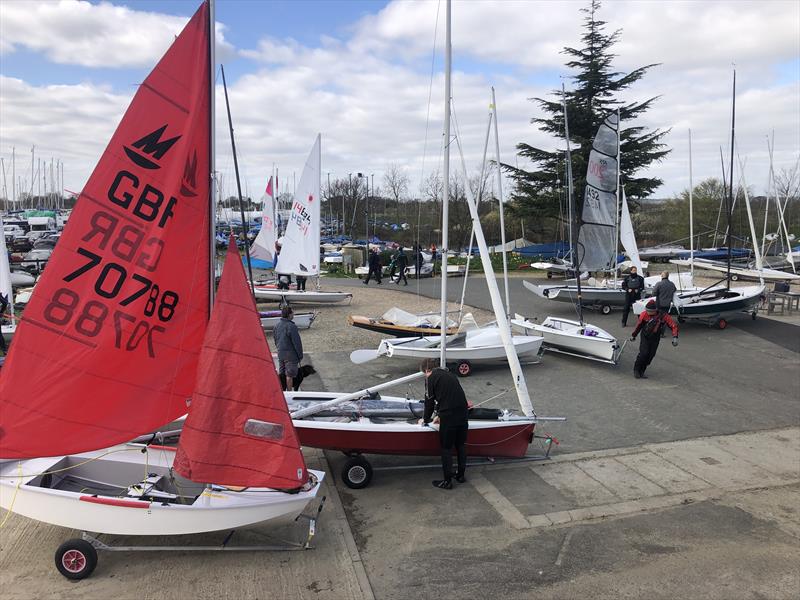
(712, 303)
(213, 509)
(571, 337)
(590, 295)
(739, 272)
(302, 320)
(297, 297)
(478, 347)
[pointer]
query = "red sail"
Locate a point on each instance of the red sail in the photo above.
(108, 345)
(238, 431)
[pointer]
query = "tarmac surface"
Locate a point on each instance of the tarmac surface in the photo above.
(686, 484)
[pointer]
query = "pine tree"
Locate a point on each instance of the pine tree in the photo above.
(538, 193)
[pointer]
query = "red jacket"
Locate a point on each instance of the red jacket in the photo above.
(656, 326)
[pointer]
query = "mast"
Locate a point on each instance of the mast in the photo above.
(448, 57)
(576, 263)
(615, 258)
(500, 200)
(212, 184)
(238, 185)
(759, 263)
(730, 194)
(691, 211)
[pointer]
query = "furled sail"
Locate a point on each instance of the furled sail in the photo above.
(597, 245)
(300, 249)
(262, 252)
(238, 431)
(5, 274)
(108, 346)
(627, 237)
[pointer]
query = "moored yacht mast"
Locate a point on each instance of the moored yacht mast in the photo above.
(448, 56)
(576, 263)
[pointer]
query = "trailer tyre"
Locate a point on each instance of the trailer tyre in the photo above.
(605, 309)
(357, 472)
(734, 277)
(464, 368)
(76, 559)
(722, 324)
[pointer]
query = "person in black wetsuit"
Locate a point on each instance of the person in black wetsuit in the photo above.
(375, 267)
(445, 395)
(401, 262)
(633, 285)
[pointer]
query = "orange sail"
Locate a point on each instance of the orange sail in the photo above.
(108, 345)
(239, 431)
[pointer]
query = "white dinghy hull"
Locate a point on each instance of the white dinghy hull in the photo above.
(213, 509)
(296, 297)
(482, 345)
(570, 337)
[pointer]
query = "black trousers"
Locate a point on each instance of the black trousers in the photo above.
(401, 276)
(629, 300)
(376, 271)
(453, 436)
(648, 346)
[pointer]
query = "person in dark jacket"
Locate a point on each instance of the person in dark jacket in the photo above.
(443, 393)
(374, 267)
(3, 306)
(289, 346)
(651, 324)
(663, 292)
(401, 263)
(633, 285)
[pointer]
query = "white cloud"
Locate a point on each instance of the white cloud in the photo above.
(92, 35)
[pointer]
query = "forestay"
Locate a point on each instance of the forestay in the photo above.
(108, 346)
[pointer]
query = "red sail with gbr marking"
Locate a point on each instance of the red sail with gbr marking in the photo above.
(108, 346)
(238, 431)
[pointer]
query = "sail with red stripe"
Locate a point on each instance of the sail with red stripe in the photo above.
(238, 431)
(108, 345)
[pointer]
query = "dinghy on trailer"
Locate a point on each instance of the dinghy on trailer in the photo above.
(134, 336)
(400, 323)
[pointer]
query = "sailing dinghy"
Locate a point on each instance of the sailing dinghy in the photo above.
(117, 342)
(568, 336)
(400, 323)
(300, 250)
(6, 289)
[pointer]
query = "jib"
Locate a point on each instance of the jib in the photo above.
(148, 204)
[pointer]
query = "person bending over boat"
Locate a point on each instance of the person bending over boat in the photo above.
(444, 394)
(664, 292)
(289, 346)
(633, 285)
(651, 323)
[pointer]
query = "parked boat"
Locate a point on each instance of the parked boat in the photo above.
(739, 272)
(131, 355)
(270, 318)
(9, 323)
(400, 323)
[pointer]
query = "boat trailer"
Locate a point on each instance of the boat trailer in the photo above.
(77, 557)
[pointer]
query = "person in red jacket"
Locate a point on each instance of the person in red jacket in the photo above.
(651, 323)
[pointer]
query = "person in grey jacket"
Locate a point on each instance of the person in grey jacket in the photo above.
(289, 346)
(663, 293)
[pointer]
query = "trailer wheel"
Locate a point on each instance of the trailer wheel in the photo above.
(722, 323)
(357, 472)
(734, 277)
(549, 275)
(753, 315)
(605, 309)
(76, 559)
(464, 368)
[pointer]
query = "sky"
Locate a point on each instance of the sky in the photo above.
(369, 76)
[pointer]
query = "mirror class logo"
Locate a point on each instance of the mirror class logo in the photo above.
(150, 145)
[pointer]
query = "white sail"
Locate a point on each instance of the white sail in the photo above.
(263, 247)
(300, 250)
(597, 246)
(626, 236)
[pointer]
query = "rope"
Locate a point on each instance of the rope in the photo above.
(511, 437)
(13, 498)
(80, 464)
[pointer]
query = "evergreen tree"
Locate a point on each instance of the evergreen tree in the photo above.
(539, 193)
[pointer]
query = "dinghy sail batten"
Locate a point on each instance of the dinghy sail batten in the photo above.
(121, 295)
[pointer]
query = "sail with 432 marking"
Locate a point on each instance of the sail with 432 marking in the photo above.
(109, 343)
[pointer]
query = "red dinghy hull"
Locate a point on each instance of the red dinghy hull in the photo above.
(506, 439)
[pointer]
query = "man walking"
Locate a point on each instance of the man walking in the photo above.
(633, 285)
(401, 263)
(445, 395)
(651, 324)
(289, 346)
(663, 292)
(374, 267)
